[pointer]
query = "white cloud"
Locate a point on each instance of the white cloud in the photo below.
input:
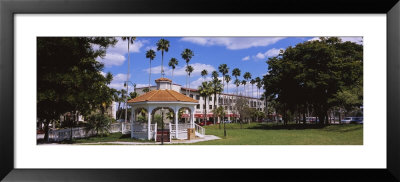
(181, 70)
(233, 43)
(357, 40)
(270, 53)
(154, 48)
(246, 58)
(115, 55)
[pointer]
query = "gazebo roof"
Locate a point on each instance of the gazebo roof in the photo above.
(162, 96)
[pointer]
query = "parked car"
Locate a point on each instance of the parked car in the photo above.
(207, 123)
(228, 121)
(353, 120)
(312, 119)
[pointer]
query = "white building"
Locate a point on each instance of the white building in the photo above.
(225, 100)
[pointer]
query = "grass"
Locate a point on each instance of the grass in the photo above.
(292, 134)
(112, 137)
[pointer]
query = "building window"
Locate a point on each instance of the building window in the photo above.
(210, 99)
(226, 107)
(191, 95)
(197, 97)
(198, 106)
(230, 107)
(210, 107)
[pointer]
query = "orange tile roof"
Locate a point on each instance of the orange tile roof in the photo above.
(163, 79)
(163, 96)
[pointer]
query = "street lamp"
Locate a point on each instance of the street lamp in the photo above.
(126, 104)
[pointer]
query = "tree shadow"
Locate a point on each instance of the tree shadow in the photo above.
(125, 136)
(288, 126)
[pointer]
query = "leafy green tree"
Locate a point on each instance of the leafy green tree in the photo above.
(69, 78)
(313, 74)
(151, 55)
(145, 90)
(163, 46)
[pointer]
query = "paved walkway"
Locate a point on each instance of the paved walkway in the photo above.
(206, 138)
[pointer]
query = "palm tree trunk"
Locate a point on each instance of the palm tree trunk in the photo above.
(189, 86)
(150, 75)
(162, 63)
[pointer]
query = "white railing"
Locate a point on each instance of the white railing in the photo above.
(63, 134)
(200, 129)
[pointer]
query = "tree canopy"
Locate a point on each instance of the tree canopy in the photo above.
(319, 74)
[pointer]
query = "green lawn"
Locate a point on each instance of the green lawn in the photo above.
(112, 137)
(261, 134)
(292, 134)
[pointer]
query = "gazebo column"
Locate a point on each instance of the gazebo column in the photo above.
(150, 110)
(192, 116)
(176, 122)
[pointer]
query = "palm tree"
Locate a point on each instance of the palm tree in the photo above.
(187, 54)
(217, 89)
(130, 41)
(204, 73)
(122, 97)
(151, 55)
(252, 82)
(220, 112)
(227, 80)
(237, 83)
(244, 86)
(258, 85)
(205, 90)
(223, 69)
(189, 70)
(172, 63)
(247, 77)
(236, 73)
(162, 45)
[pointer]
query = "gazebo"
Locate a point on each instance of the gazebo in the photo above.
(161, 99)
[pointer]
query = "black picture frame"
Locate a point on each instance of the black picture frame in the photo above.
(8, 8)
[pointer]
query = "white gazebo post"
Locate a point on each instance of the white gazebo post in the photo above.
(149, 109)
(176, 121)
(192, 116)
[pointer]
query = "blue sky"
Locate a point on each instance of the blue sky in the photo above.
(246, 53)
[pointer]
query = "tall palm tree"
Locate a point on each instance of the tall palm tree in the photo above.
(130, 40)
(244, 87)
(217, 89)
(189, 70)
(151, 55)
(237, 83)
(172, 63)
(236, 73)
(258, 85)
(252, 82)
(205, 90)
(162, 45)
(223, 69)
(227, 80)
(220, 112)
(204, 73)
(187, 54)
(247, 77)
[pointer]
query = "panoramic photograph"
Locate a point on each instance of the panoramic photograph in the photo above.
(199, 91)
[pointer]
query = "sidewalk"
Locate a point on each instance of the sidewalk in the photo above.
(206, 138)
